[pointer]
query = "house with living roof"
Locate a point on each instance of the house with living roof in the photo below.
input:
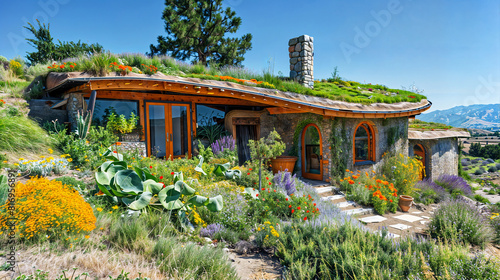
(326, 135)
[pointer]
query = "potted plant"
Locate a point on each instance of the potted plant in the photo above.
(282, 163)
(405, 202)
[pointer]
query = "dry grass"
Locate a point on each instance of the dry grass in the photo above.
(98, 263)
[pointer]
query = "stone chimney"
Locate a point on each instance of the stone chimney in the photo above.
(301, 60)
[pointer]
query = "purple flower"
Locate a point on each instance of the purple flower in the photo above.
(453, 182)
(211, 230)
(427, 184)
(285, 181)
(224, 143)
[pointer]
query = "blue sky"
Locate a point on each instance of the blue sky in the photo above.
(451, 49)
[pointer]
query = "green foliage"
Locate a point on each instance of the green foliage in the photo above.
(206, 153)
(37, 90)
(402, 171)
(360, 195)
(345, 251)
(82, 124)
(418, 124)
(486, 151)
(196, 30)
(191, 261)
(266, 148)
(457, 221)
(18, 133)
(120, 124)
(340, 144)
(129, 233)
(481, 199)
(46, 50)
(4, 189)
(72, 182)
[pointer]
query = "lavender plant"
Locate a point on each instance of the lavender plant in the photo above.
(430, 192)
(211, 230)
(457, 221)
(285, 181)
(224, 144)
(454, 184)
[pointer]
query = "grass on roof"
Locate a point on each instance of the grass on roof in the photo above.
(354, 92)
(421, 125)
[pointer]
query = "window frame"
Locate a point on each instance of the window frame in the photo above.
(370, 131)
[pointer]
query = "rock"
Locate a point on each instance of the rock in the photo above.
(298, 47)
(294, 60)
(293, 74)
(298, 66)
(243, 247)
(292, 41)
(295, 54)
(291, 49)
(419, 206)
(304, 38)
(208, 240)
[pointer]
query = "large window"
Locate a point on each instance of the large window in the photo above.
(104, 108)
(364, 143)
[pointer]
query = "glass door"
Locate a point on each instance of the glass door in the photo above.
(168, 129)
(312, 159)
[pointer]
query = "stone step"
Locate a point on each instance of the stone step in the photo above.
(333, 197)
(345, 204)
(358, 211)
(321, 190)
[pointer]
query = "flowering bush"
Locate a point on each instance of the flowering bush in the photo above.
(120, 68)
(384, 196)
(45, 166)
(454, 184)
(460, 222)
(430, 192)
(267, 235)
(211, 230)
(16, 67)
(403, 172)
(149, 69)
(64, 67)
(225, 148)
(285, 181)
(49, 208)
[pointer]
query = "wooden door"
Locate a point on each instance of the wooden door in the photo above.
(312, 156)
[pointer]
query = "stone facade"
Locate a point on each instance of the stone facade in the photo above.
(301, 53)
(287, 124)
(75, 104)
(138, 148)
(41, 112)
(441, 155)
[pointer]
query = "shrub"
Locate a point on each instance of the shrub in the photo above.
(497, 166)
(129, 233)
(285, 181)
(360, 194)
(481, 199)
(430, 192)
(458, 221)
(191, 261)
(211, 230)
(495, 222)
(403, 172)
(453, 183)
(48, 208)
(19, 133)
(479, 171)
(492, 169)
(72, 182)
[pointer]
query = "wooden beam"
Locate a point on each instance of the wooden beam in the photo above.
(281, 110)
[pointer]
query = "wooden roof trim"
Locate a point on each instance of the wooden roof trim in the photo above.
(257, 97)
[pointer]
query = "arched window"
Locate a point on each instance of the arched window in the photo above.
(364, 143)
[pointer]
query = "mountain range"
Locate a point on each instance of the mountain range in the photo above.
(480, 116)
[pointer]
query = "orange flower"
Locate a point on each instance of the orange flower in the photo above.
(351, 182)
(355, 177)
(118, 143)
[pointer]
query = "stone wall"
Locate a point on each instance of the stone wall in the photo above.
(134, 147)
(40, 111)
(301, 53)
(441, 156)
(287, 125)
(75, 104)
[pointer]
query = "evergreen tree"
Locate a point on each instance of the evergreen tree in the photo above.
(47, 51)
(196, 30)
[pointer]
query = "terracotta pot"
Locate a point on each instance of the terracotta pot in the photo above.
(283, 163)
(405, 202)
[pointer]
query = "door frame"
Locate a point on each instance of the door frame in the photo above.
(303, 154)
(168, 125)
(424, 158)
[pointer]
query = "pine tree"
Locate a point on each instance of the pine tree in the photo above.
(47, 51)
(196, 30)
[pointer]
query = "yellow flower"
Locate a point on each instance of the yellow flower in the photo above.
(51, 151)
(110, 212)
(42, 156)
(16, 164)
(115, 207)
(21, 159)
(70, 159)
(99, 209)
(4, 161)
(87, 236)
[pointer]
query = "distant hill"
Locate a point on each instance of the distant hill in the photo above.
(479, 116)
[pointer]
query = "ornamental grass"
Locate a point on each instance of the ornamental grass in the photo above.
(47, 208)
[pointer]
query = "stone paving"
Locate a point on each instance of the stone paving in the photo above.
(398, 224)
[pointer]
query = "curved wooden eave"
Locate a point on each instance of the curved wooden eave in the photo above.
(243, 93)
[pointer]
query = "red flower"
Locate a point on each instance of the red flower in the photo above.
(255, 183)
(314, 204)
(163, 185)
(274, 190)
(161, 177)
(257, 195)
(263, 189)
(172, 173)
(390, 200)
(115, 152)
(289, 206)
(293, 211)
(250, 169)
(287, 199)
(267, 178)
(269, 183)
(151, 167)
(307, 211)
(72, 66)
(248, 173)
(298, 208)
(305, 218)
